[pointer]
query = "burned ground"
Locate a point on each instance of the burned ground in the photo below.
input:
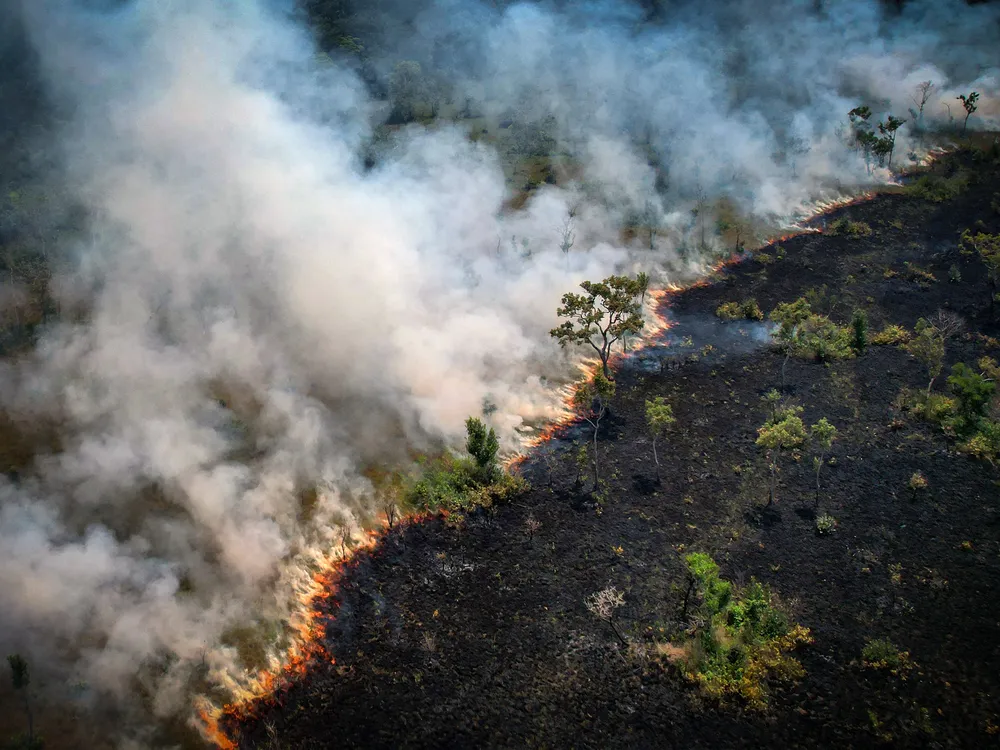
(473, 631)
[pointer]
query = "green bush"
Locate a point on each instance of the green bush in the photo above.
(825, 524)
(743, 641)
(748, 309)
(938, 189)
(729, 311)
(751, 310)
(891, 335)
(846, 227)
(821, 338)
(881, 653)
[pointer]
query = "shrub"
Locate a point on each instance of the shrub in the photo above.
(881, 653)
(751, 310)
(825, 524)
(973, 392)
(846, 227)
(891, 335)
(919, 274)
(744, 639)
(985, 444)
(937, 408)
(859, 331)
(938, 189)
(954, 275)
(748, 309)
(917, 483)
(821, 338)
(764, 259)
(729, 311)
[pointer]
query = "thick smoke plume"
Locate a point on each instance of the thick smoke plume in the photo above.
(257, 307)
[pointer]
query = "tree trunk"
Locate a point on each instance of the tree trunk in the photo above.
(656, 460)
(774, 479)
(929, 385)
(687, 598)
(614, 627)
(31, 721)
(788, 355)
(597, 477)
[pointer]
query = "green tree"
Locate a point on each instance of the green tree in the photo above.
(970, 104)
(659, 416)
(859, 331)
(987, 247)
(777, 435)
(591, 400)
(483, 445)
(790, 316)
(823, 434)
(21, 680)
(608, 312)
(973, 392)
(888, 140)
(703, 576)
(928, 347)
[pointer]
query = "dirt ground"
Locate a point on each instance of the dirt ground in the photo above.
(474, 632)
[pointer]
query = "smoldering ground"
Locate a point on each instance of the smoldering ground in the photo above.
(257, 312)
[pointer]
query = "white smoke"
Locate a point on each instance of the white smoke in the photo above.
(263, 315)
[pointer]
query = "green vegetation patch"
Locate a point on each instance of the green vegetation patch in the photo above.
(742, 639)
(847, 228)
(938, 189)
(458, 483)
(748, 309)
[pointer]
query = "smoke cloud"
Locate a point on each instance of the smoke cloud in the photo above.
(258, 306)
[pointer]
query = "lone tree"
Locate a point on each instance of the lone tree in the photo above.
(608, 312)
(928, 347)
(21, 679)
(790, 316)
(782, 432)
(887, 143)
(603, 604)
(970, 104)
(987, 247)
(823, 434)
(859, 331)
(703, 577)
(591, 400)
(483, 445)
(920, 97)
(659, 416)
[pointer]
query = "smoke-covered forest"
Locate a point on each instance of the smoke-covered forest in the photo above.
(459, 373)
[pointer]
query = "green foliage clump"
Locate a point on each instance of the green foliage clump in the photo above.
(821, 339)
(729, 311)
(743, 637)
(825, 524)
(748, 309)
(455, 483)
(881, 653)
(483, 446)
(938, 189)
(610, 311)
(891, 335)
(846, 227)
(859, 331)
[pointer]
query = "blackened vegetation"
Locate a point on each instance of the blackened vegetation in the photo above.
(477, 633)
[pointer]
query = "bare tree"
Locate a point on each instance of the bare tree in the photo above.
(603, 605)
(920, 97)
